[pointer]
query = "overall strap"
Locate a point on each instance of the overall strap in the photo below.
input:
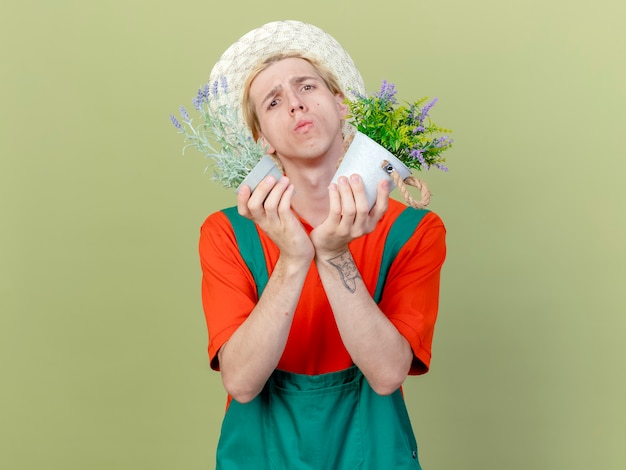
(250, 247)
(401, 230)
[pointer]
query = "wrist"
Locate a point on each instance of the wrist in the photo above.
(293, 264)
(325, 256)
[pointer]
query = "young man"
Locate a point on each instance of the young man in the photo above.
(313, 358)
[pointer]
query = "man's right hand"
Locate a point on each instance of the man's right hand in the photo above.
(269, 206)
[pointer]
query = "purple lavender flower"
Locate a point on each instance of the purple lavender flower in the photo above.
(201, 98)
(443, 141)
(224, 84)
(197, 103)
(416, 154)
(387, 92)
(198, 100)
(184, 114)
(177, 124)
(426, 109)
(214, 88)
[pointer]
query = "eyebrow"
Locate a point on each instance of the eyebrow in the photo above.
(272, 92)
(296, 80)
(304, 78)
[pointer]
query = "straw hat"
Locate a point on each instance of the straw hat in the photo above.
(236, 64)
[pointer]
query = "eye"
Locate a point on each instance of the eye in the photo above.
(308, 87)
(272, 103)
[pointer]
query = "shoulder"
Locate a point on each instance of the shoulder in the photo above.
(218, 218)
(417, 231)
(217, 230)
(224, 221)
(421, 219)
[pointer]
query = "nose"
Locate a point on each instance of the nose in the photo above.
(295, 103)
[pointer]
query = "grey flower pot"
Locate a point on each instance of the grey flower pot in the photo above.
(264, 168)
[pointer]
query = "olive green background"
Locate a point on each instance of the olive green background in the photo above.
(102, 336)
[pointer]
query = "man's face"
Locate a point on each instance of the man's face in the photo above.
(299, 116)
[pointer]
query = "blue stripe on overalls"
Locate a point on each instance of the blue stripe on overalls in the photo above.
(331, 421)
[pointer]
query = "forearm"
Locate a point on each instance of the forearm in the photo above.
(255, 348)
(375, 345)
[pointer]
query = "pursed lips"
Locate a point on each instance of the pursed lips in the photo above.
(303, 126)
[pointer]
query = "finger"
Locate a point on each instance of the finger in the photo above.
(275, 197)
(260, 194)
(348, 207)
(382, 200)
(243, 196)
(284, 206)
(360, 197)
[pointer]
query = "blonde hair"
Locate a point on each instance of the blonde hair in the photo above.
(247, 106)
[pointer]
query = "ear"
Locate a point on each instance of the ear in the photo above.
(270, 150)
(341, 105)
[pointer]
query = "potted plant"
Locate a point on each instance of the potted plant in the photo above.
(222, 137)
(391, 140)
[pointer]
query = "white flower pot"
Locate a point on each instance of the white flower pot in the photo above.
(365, 157)
(264, 168)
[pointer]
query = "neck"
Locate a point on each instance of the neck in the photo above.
(311, 200)
(311, 178)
